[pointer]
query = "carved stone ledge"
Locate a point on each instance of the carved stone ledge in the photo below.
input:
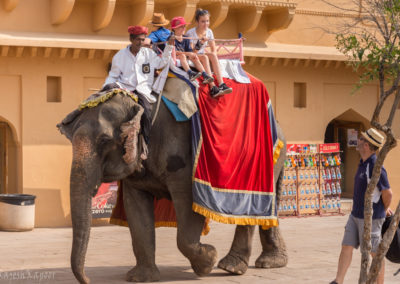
(279, 19)
(219, 12)
(60, 10)
(185, 9)
(102, 13)
(250, 18)
(9, 5)
(142, 12)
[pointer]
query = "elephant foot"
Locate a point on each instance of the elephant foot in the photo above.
(272, 259)
(204, 260)
(143, 274)
(233, 264)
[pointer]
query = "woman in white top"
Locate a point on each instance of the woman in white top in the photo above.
(202, 36)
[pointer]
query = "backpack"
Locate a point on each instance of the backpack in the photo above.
(393, 253)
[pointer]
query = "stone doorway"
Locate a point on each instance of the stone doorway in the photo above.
(337, 132)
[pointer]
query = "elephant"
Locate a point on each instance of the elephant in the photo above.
(106, 147)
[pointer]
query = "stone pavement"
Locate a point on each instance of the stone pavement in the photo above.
(42, 255)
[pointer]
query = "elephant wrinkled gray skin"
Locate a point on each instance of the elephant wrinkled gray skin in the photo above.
(99, 155)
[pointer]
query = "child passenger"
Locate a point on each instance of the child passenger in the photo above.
(184, 51)
(202, 36)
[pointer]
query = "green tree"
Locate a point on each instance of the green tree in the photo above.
(371, 43)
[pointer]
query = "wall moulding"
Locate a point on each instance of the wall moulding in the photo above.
(326, 14)
(60, 53)
(292, 62)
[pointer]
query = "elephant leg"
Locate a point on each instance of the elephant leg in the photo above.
(274, 252)
(202, 257)
(140, 214)
(237, 260)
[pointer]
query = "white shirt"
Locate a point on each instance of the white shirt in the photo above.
(192, 33)
(137, 72)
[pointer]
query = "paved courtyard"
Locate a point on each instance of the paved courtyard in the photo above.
(42, 255)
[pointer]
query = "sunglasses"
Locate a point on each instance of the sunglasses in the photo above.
(362, 139)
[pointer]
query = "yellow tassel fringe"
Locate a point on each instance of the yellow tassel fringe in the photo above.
(89, 103)
(265, 223)
(277, 152)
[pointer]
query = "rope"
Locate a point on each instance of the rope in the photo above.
(157, 109)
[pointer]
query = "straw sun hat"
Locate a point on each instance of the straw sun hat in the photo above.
(374, 137)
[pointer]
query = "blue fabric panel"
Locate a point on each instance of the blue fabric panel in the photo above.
(233, 203)
(173, 108)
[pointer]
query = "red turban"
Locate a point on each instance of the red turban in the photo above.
(137, 30)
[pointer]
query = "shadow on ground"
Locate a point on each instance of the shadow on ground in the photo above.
(99, 274)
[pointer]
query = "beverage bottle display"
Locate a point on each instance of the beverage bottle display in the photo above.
(294, 204)
(338, 188)
(311, 174)
(312, 189)
(303, 162)
(312, 204)
(333, 204)
(302, 190)
(333, 187)
(307, 189)
(331, 161)
(306, 174)
(316, 174)
(289, 206)
(328, 189)
(280, 207)
(328, 204)
(317, 188)
(294, 175)
(338, 174)
(323, 174)
(289, 190)
(338, 203)
(325, 161)
(337, 160)
(316, 204)
(333, 173)
(307, 205)
(301, 206)
(314, 161)
(323, 189)
(301, 175)
(293, 161)
(294, 189)
(289, 176)
(323, 204)
(284, 191)
(328, 174)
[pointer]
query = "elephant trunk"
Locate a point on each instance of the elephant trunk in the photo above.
(85, 179)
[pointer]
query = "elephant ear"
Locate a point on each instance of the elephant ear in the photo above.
(130, 134)
(66, 126)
